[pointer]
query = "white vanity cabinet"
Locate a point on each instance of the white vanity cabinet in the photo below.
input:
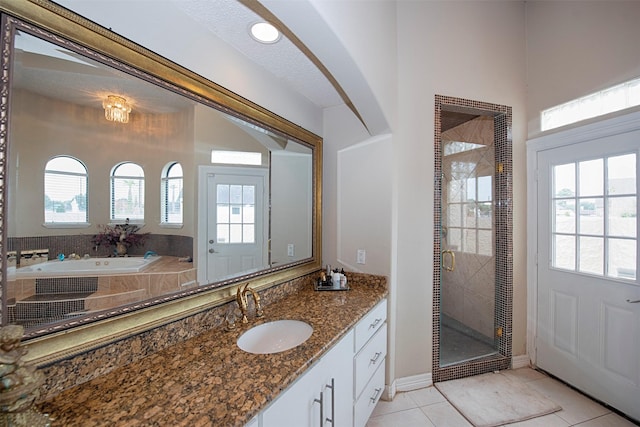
(345, 384)
(322, 394)
(370, 353)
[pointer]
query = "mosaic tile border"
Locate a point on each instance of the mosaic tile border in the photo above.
(504, 238)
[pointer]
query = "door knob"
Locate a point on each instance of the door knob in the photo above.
(211, 241)
(212, 251)
(634, 301)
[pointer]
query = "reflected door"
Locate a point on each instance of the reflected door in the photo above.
(235, 225)
(588, 330)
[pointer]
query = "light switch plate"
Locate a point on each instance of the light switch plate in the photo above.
(361, 258)
(290, 249)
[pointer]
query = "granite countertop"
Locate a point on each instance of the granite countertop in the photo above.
(208, 380)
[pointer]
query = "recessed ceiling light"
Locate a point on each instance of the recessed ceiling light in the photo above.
(264, 32)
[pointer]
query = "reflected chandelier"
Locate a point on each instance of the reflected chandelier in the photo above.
(116, 109)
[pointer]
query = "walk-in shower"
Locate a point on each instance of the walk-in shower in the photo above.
(472, 238)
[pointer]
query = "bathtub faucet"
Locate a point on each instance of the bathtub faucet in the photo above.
(149, 253)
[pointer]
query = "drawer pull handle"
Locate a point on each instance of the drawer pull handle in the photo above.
(375, 323)
(375, 358)
(332, 386)
(321, 402)
(375, 395)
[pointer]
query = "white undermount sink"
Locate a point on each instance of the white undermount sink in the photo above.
(274, 337)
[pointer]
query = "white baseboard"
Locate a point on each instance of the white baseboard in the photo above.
(521, 361)
(414, 382)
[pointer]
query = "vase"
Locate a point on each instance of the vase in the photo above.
(121, 249)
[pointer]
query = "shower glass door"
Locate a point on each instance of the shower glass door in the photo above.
(468, 262)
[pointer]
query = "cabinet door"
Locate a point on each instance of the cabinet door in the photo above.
(298, 406)
(338, 383)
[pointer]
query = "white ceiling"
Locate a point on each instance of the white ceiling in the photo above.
(230, 21)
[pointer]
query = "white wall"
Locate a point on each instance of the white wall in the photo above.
(472, 50)
(577, 48)
(291, 208)
(352, 53)
(484, 60)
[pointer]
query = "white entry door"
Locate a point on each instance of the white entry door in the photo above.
(588, 314)
(235, 230)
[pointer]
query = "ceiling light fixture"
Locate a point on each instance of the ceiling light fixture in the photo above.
(116, 109)
(264, 32)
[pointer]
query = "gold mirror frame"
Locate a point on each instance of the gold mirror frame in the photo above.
(73, 338)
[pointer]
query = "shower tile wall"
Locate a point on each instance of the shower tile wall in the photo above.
(468, 292)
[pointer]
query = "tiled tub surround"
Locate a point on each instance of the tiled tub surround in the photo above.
(168, 274)
(206, 379)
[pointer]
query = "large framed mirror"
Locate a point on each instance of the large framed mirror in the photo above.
(134, 189)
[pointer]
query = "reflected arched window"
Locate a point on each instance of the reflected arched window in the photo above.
(65, 191)
(127, 192)
(171, 203)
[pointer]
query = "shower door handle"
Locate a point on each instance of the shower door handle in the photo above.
(452, 256)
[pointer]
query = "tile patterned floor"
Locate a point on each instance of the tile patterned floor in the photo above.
(428, 408)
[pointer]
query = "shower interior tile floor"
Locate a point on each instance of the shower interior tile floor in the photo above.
(428, 408)
(459, 343)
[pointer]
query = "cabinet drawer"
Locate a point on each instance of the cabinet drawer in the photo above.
(370, 324)
(370, 396)
(370, 357)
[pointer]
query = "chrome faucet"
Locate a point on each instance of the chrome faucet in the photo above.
(241, 298)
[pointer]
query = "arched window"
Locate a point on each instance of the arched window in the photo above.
(127, 192)
(65, 191)
(171, 204)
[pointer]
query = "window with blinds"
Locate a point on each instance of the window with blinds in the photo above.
(171, 202)
(127, 192)
(65, 191)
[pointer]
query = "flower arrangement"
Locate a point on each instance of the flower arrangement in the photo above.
(119, 234)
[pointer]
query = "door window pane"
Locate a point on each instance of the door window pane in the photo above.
(622, 258)
(623, 216)
(609, 218)
(564, 254)
(236, 213)
(591, 255)
(564, 180)
(223, 233)
(592, 216)
(564, 220)
(591, 178)
(621, 174)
